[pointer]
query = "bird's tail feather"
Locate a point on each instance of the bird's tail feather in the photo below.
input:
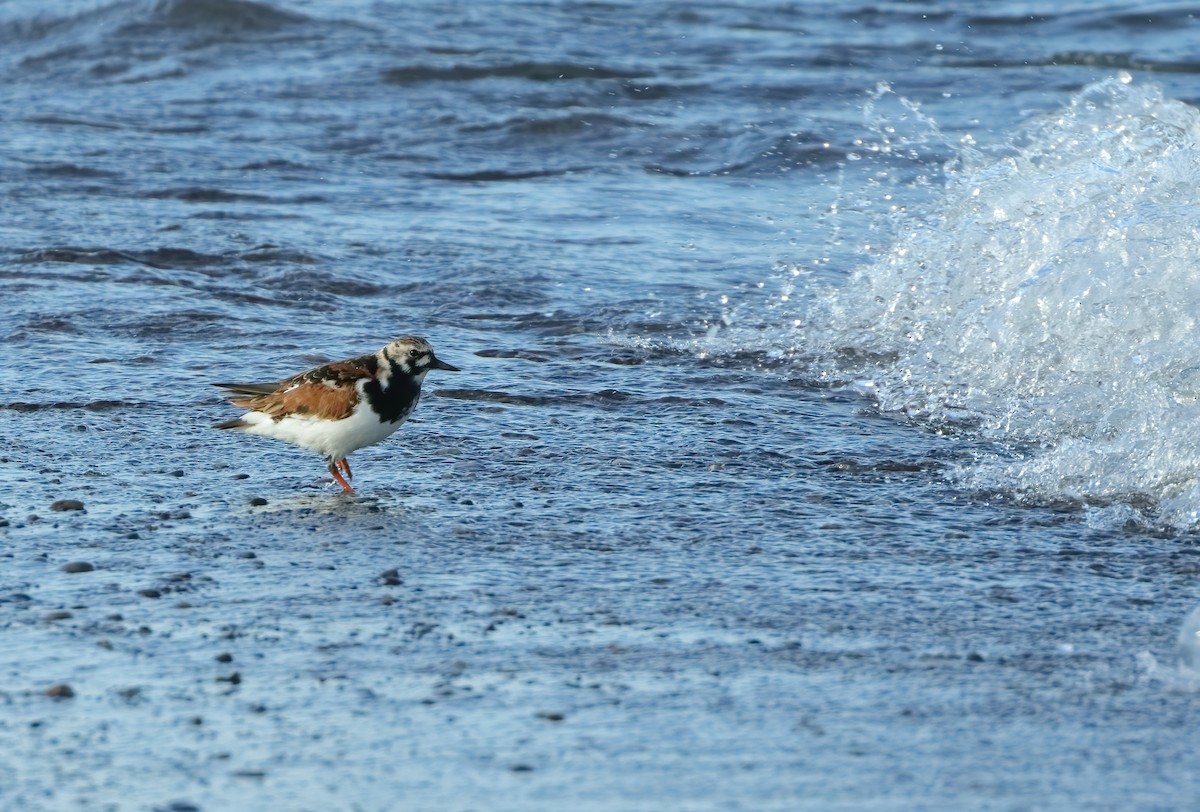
(238, 423)
(248, 388)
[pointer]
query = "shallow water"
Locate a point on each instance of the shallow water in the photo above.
(822, 439)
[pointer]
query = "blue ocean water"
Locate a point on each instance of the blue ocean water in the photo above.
(823, 438)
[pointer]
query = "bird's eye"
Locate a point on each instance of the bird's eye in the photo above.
(414, 354)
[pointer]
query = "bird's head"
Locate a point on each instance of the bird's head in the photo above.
(414, 356)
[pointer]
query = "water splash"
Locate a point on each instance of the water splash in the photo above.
(1047, 300)
(1188, 644)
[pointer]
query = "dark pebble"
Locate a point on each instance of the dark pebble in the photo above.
(257, 501)
(551, 716)
(974, 657)
(150, 593)
(180, 806)
(77, 566)
(3, 522)
(177, 472)
(391, 578)
(66, 504)
(522, 768)
(225, 657)
(60, 691)
(58, 614)
(233, 679)
(241, 476)
(247, 554)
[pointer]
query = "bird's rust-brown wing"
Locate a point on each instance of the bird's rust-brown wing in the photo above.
(328, 392)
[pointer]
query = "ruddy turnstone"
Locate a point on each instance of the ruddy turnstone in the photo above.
(340, 407)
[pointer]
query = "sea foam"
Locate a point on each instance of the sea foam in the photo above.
(1047, 299)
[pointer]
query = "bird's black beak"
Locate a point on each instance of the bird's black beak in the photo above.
(438, 363)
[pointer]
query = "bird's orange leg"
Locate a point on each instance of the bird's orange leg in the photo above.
(344, 464)
(337, 475)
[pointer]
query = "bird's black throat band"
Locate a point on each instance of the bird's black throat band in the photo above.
(396, 400)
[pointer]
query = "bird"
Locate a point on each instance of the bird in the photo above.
(340, 407)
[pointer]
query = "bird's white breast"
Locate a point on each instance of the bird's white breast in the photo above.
(334, 439)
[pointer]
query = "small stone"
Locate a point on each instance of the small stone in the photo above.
(551, 716)
(233, 679)
(3, 522)
(177, 472)
(247, 554)
(224, 657)
(241, 476)
(58, 614)
(182, 806)
(60, 691)
(77, 566)
(66, 504)
(150, 593)
(390, 578)
(522, 768)
(257, 501)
